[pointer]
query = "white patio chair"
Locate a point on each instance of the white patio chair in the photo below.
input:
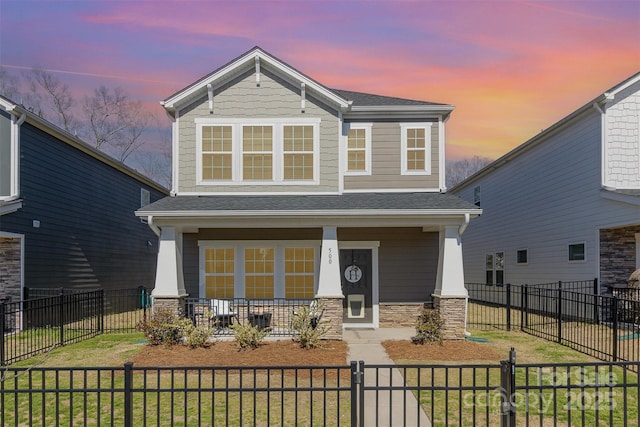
(222, 312)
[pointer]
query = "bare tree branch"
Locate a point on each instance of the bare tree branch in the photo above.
(8, 84)
(56, 98)
(458, 171)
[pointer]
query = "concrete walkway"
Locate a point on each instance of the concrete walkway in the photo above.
(395, 407)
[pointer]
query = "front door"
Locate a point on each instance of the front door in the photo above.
(357, 285)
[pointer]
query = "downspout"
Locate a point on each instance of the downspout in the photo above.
(464, 226)
(152, 226)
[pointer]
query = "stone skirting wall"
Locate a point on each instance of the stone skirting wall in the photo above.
(394, 315)
(10, 268)
(617, 255)
(174, 304)
(453, 310)
(332, 315)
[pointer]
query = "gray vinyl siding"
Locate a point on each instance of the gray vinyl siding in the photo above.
(88, 234)
(407, 261)
(5, 154)
(274, 98)
(408, 257)
(386, 167)
(543, 200)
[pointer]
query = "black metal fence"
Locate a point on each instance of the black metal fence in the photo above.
(55, 317)
(507, 394)
(603, 326)
(273, 315)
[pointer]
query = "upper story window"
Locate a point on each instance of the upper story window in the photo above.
(298, 152)
(476, 196)
(217, 153)
(416, 148)
(359, 149)
(259, 151)
(145, 197)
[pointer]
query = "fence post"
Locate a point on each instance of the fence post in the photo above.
(101, 311)
(61, 316)
(128, 398)
(559, 310)
(596, 311)
(508, 385)
(508, 306)
(524, 307)
(614, 329)
(2, 331)
(355, 377)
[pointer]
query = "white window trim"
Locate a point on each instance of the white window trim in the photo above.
(239, 274)
(577, 261)
(277, 125)
(14, 147)
(367, 147)
(427, 156)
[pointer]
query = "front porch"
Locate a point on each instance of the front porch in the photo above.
(372, 259)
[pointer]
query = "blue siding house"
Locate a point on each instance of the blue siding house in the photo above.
(67, 211)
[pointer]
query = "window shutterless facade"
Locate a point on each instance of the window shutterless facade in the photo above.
(577, 252)
(522, 256)
(358, 156)
(257, 151)
(416, 148)
(494, 268)
(259, 269)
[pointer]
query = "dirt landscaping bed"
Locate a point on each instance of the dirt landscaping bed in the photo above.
(288, 353)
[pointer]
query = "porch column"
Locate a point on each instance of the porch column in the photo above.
(329, 293)
(169, 289)
(450, 296)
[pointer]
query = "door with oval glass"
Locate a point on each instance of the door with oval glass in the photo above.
(356, 269)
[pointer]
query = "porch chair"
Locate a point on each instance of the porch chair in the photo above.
(222, 313)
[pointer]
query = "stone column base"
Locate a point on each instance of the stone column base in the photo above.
(332, 316)
(453, 310)
(174, 304)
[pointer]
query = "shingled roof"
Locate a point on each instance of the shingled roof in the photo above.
(328, 203)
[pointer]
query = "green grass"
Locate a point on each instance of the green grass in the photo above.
(548, 399)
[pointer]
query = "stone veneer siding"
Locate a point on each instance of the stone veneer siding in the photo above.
(453, 311)
(174, 304)
(617, 255)
(332, 314)
(394, 315)
(10, 268)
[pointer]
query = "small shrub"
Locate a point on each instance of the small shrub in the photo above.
(161, 328)
(308, 328)
(429, 327)
(248, 336)
(195, 336)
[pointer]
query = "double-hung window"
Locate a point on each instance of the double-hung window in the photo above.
(358, 149)
(257, 151)
(217, 153)
(416, 148)
(298, 150)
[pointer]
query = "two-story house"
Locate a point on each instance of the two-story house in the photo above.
(284, 188)
(565, 205)
(67, 211)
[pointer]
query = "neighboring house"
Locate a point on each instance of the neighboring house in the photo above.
(564, 205)
(284, 188)
(67, 211)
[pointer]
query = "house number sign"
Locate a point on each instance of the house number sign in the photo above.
(353, 274)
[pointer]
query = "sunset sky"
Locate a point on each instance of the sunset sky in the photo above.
(511, 68)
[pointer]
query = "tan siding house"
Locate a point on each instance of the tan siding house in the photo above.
(285, 189)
